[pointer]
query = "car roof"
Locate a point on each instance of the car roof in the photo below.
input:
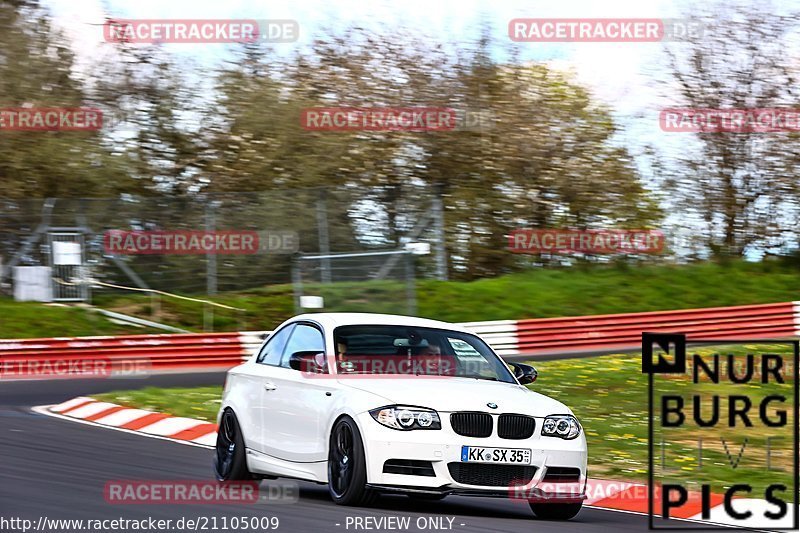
(333, 320)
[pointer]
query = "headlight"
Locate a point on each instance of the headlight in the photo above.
(562, 426)
(406, 418)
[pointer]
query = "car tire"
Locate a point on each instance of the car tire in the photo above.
(230, 463)
(556, 511)
(347, 466)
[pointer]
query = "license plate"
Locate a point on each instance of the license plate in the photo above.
(479, 454)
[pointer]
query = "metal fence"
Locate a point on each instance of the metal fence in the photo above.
(378, 281)
(322, 220)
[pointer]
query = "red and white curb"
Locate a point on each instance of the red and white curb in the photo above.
(150, 423)
(610, 495)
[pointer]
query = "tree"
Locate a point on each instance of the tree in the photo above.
(743, 185)
(545, 158)
(36, 70)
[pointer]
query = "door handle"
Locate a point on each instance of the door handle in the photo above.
(269, 386)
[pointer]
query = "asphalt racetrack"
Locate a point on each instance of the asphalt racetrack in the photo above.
(58, 469)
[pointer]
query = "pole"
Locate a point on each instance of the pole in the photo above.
(211, 269)
(441, 242)
(411, 289)
(323, 235)
(211, 258)
(297, 283)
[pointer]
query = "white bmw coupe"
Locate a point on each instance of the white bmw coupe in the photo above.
(372, 403)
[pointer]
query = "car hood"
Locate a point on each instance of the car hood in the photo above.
(459, 394)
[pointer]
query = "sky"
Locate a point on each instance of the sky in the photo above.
(615, 71)
(622, 75)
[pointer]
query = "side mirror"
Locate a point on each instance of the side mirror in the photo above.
(524, 373)
(309, 361)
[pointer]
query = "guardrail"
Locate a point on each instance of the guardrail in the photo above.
(599, 333)
(510, 338)
(40, 357)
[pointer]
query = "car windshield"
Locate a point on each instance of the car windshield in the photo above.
(387, 349)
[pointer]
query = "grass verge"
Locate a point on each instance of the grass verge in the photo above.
(198, 402)
(28, 320)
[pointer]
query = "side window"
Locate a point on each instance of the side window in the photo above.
(304, 338)
(271, 352)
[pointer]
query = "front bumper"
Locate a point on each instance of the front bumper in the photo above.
(442, 448)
